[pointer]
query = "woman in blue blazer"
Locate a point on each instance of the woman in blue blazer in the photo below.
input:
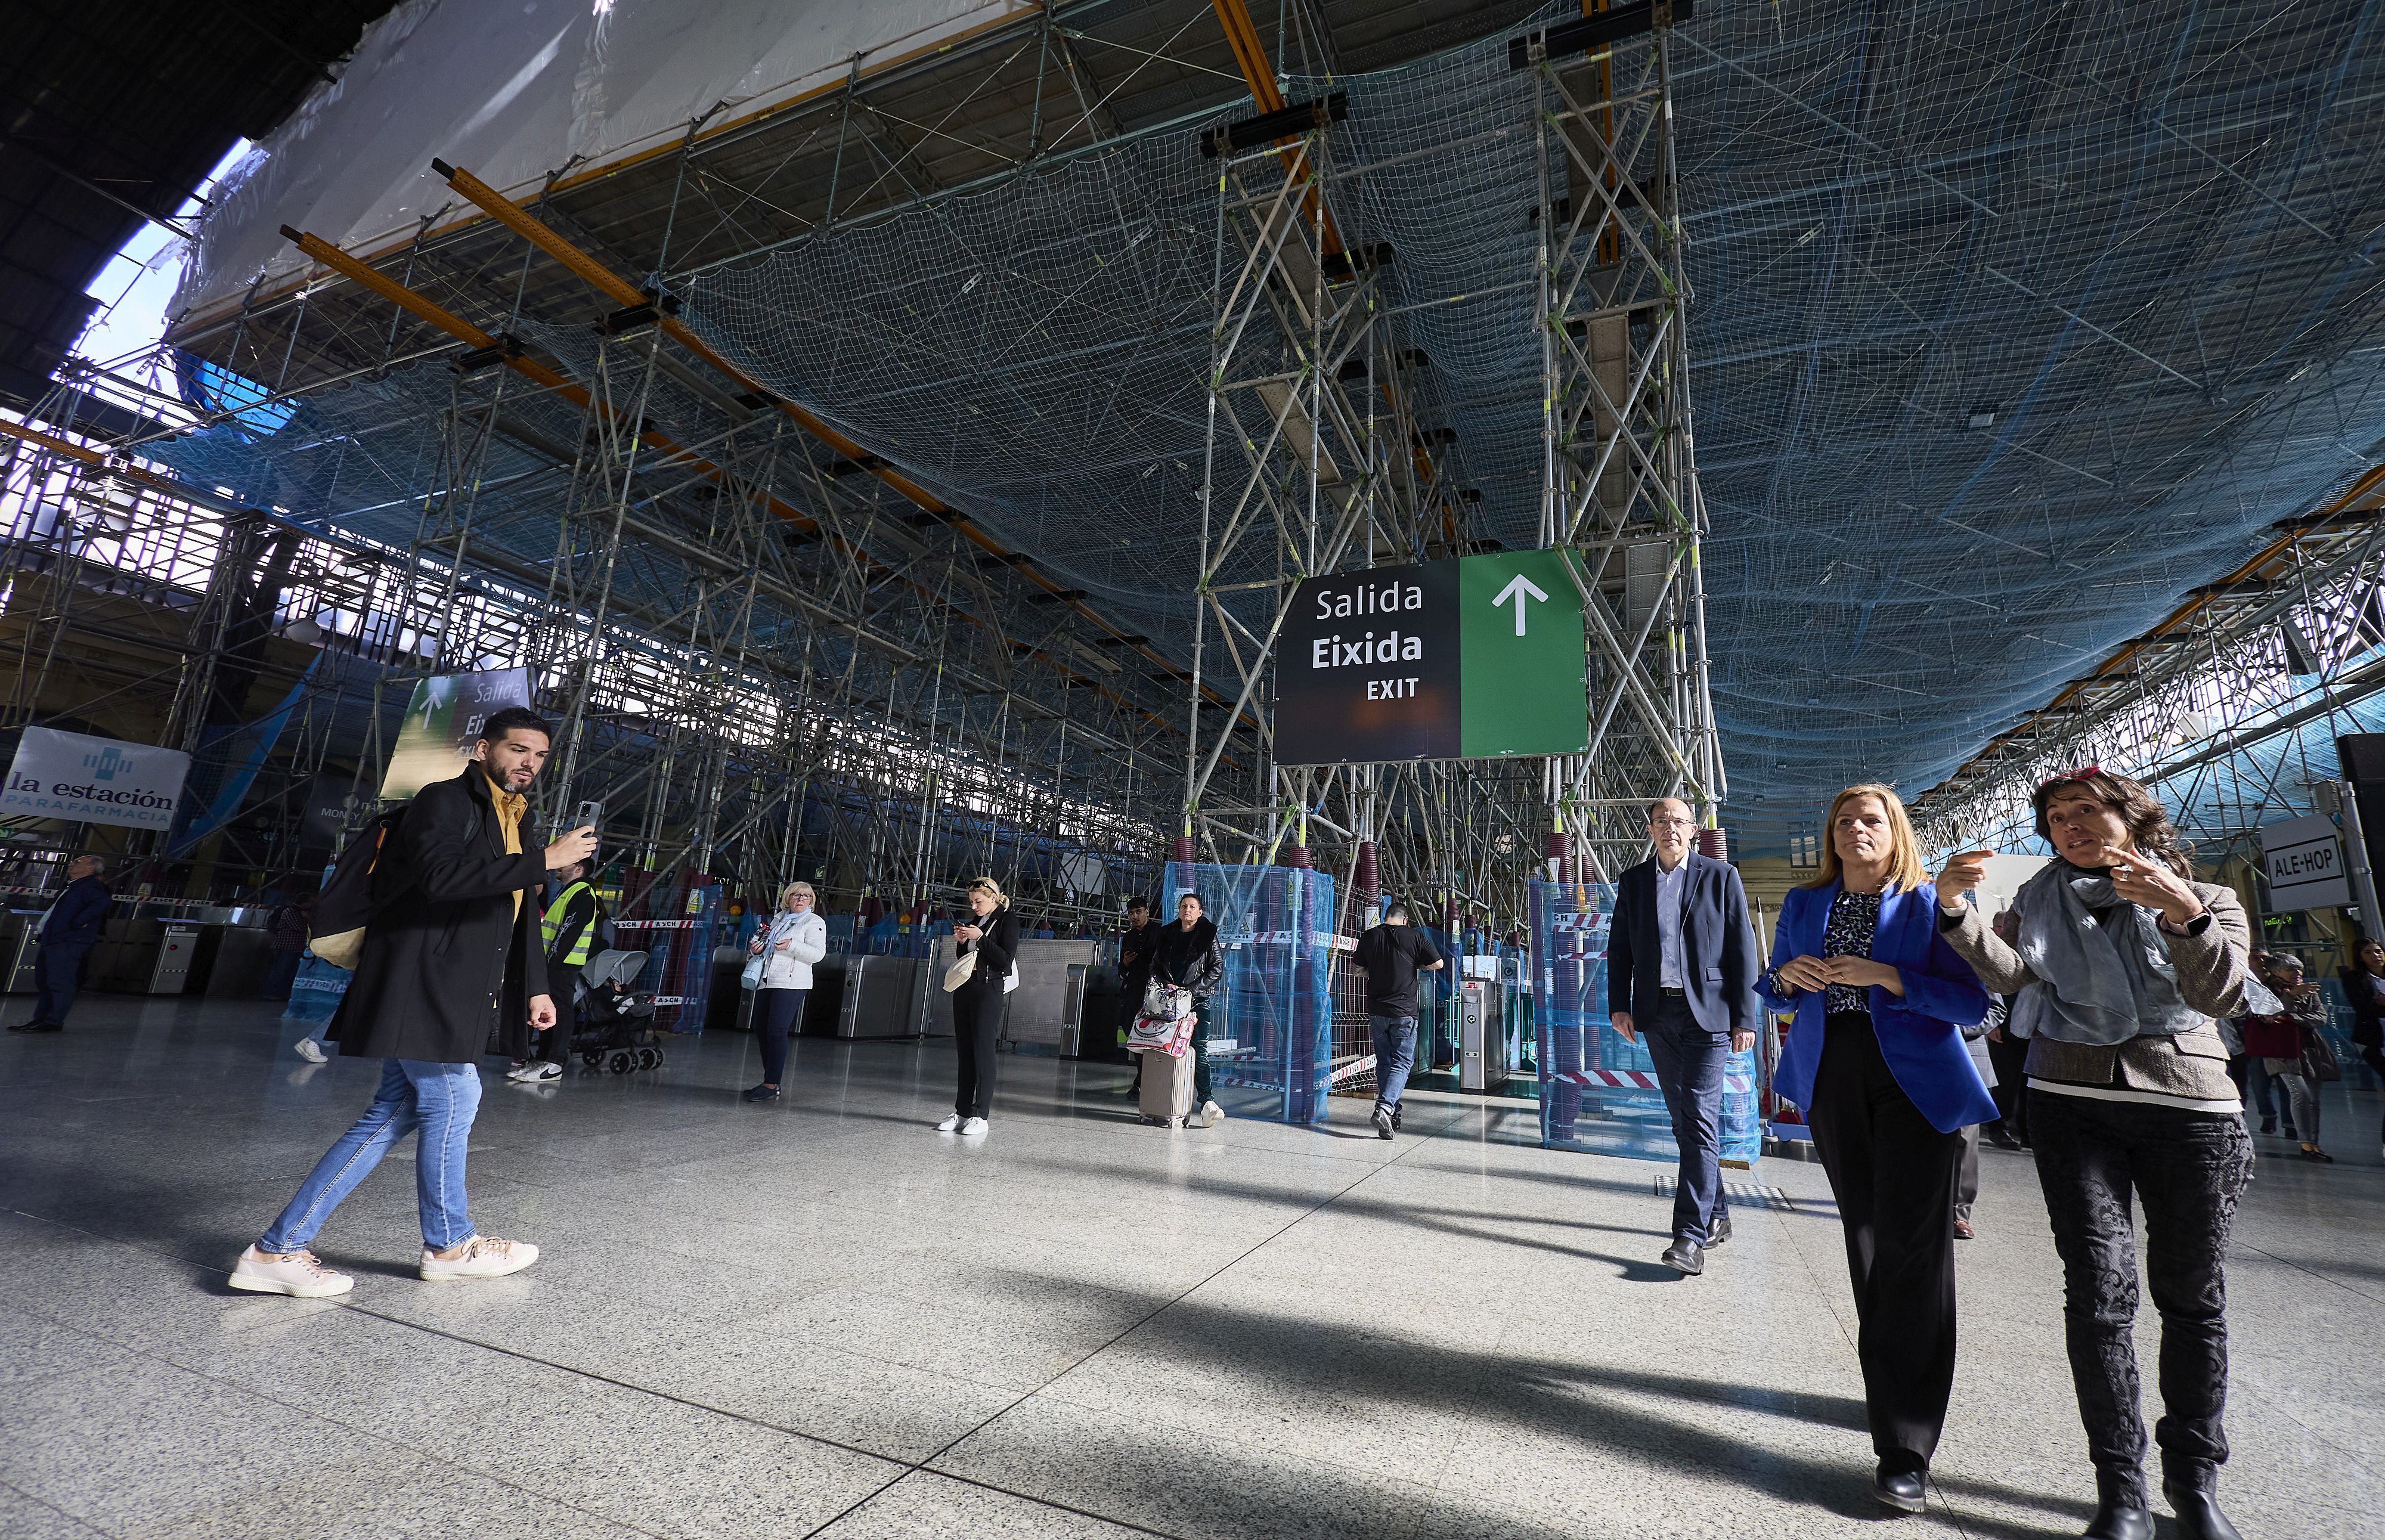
(1877, 1060)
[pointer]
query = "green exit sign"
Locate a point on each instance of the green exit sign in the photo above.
(1469, 659)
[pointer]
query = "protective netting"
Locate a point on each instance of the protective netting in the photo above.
(2011, 321)
(1598, 1091)
(1270, 1026)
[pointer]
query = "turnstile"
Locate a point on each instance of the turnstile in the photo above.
(22, 950)
(880, 996)
(178, 947)
(1481, 1042)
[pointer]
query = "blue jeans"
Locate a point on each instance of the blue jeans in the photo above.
(57, 974)
(1689, 1067)
(440, 1100)
(1395, 1040)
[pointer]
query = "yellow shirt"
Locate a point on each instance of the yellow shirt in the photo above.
(510, 806)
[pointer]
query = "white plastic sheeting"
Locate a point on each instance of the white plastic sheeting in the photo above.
(516, 90)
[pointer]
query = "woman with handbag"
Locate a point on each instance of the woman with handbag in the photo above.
(2363, 985)
(1877, 1060)
(2293, 1052)
(2123, 961)
(780, 973)
(978, 984)
(1188, 959)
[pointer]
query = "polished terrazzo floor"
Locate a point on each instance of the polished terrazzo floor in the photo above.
(820, 1318)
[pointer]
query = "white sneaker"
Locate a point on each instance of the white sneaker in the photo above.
(311, 1051)
(950, 1124)
(536, 1071)
(974, 1125)
(298, 1274)
(484, 1257)
(1212, 1115)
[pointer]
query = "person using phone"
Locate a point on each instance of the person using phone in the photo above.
(794, 939)
(2122, 963)
(990, 935)
(451, 956)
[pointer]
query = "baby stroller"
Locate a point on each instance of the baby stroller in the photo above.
(615, 1017)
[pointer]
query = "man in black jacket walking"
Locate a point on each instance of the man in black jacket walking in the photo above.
(69, 932)
(452, 957)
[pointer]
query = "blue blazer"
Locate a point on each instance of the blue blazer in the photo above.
(1920, 1035)
(1718, 946)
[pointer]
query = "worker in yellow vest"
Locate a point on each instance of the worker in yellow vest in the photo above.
(569, 932)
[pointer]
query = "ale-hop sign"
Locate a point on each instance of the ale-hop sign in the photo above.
(87, 779)
(2303, 859)
(1465, 660)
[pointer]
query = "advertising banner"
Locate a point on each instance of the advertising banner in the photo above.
(441, 721)
(1467, 660)
(87, 779)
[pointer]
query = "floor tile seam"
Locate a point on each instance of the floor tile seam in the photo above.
(922, 1469)
(209, 1270)
(925, 1462)
(90, 1524)
(314, 1414)
(2324, 1276)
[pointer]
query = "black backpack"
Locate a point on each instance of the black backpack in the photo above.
(347, 904)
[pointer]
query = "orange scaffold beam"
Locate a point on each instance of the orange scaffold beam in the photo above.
(613, 286)
(1249, 53)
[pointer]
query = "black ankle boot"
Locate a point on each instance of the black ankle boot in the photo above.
(2119, 1509)
(2198, 1514)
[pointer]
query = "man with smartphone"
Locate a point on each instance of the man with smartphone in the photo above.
(452, 955)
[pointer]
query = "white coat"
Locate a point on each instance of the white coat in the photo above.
(794, 943)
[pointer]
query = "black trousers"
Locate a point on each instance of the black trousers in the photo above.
(2374, 1058)
(976, 1022)
(2010, 1058)
(2189, 1170)
(1893, 1175)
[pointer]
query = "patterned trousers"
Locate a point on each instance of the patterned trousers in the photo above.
(2189, 1170)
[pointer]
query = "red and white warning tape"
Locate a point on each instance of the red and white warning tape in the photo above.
(1636, 1079)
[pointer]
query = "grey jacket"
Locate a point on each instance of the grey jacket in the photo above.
(2212, 969)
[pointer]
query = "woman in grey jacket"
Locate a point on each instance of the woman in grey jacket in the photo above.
(2121, 964)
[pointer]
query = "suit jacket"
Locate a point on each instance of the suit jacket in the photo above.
(449, 960)
(1920, 1035)
(1718, 946)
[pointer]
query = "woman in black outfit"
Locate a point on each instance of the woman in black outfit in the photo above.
(1187, 957)
(978, 1003)
(2364, 986)
(2123, 963)
(1878, 1060)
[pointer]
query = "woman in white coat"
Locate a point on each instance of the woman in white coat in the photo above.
(795, 939)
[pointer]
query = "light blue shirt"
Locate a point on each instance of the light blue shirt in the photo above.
(1672, 889)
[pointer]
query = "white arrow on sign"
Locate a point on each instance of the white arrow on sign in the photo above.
(1517, 588)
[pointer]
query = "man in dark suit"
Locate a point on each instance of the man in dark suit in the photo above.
(452, 956)
(69, 932)
(1681, 971)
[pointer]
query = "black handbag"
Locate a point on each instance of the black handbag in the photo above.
(2318, 1059)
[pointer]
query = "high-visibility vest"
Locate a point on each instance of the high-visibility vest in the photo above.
(550, 925)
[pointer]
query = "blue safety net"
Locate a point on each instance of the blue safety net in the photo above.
(1270, 1026)
(1598, 1091)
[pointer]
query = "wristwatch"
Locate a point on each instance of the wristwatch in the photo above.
(2194, 927)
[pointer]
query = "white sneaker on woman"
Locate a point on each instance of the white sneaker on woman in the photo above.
(311, 1051)
(482, 1257)
(298, 1274)
(951, 1124)
(973, 1125)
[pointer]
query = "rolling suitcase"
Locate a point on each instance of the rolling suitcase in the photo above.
(1168, 1086)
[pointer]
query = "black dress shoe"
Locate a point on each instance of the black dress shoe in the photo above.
(2198, 1514)
(1685, 1257)
(1719, 1231)
(1902, 1490)
(2119, 1512)
(45, 1026)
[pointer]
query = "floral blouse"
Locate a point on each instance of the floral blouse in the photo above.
(1853, 918)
